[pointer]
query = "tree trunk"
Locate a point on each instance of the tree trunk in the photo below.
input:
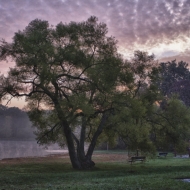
(77, 154)
(71, 148)
(86, 160)
(76, 164)
(96, 135)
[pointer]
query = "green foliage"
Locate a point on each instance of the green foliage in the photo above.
(78, 88)
(72, 70)
(173, 125)
(135, 103)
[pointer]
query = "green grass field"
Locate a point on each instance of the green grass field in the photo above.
(112, 171)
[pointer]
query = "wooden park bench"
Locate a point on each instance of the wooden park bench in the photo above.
(162, 154)
(137, 158)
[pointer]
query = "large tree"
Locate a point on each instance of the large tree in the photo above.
(69, 76)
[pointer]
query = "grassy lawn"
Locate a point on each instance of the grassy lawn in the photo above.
(112, 171)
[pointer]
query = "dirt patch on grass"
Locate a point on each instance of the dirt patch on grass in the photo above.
(110, 157)
(48, 158)
(97, 158)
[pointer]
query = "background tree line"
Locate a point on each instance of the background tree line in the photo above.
(92, 94)
(15, 124)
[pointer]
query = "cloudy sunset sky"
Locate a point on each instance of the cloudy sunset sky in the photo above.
(161, 27)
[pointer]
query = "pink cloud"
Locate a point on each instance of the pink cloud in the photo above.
(147, 22)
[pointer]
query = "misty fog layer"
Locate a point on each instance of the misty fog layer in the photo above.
(17, 138)
(15, 149)
(15, 124)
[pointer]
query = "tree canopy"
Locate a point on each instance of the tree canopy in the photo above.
(78, 89)
(73, 71)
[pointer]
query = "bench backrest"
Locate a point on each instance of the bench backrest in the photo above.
(163, 153)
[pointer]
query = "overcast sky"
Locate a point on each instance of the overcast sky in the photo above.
(161, 27)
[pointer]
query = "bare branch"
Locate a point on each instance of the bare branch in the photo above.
(50, 131)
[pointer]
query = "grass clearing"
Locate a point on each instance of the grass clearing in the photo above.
(112, 171)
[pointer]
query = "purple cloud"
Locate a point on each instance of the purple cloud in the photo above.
(147, 22)
(134, 23)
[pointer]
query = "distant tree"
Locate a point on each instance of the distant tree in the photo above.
(15, 124)
(182, 89)
(169, 118)
(71, 70)
(135, 103)
(174, 78)
(145, 123)
(171, 129)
